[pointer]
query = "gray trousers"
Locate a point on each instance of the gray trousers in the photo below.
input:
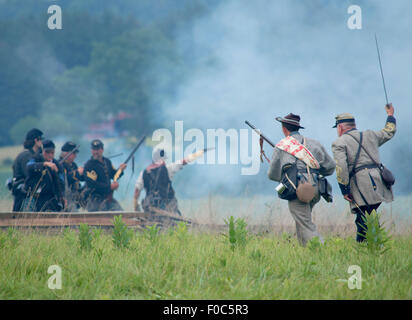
(302, 214)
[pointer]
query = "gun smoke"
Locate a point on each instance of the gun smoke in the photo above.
(258, 60)
(262, 59)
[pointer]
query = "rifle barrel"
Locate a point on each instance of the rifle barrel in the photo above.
(69, 154)
(114, 155)
(134, 149)
(260, 133)
(119, 171)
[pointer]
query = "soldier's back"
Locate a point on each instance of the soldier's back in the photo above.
(365, 181)
(19, 164)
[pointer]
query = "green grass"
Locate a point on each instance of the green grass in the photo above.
(181, 264)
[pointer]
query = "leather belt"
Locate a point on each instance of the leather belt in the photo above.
(366, 166)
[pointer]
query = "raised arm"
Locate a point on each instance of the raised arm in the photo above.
(389, 130)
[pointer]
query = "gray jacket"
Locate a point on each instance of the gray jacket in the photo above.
(369, 180)
(280, 158)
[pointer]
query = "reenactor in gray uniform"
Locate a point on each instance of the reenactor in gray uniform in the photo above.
(281, 160)
(361, 184)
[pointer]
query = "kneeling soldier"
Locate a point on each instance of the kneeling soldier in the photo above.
(32, 146)
(357, 166)
(73, 175)
(306, 160)
(45, 181)
(98, 172)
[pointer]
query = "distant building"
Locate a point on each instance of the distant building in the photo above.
(113, 127)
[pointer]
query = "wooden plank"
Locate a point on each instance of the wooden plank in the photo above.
(73, 219)
(31, 215)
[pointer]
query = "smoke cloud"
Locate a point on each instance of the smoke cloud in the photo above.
(258, 60)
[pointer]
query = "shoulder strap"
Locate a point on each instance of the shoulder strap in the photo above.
(360, 146)
(353, 173)
(307, 166)
(357, 153)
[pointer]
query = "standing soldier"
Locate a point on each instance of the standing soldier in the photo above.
(308, 159)
(156, 179)
(32, 146)
(98, 172)
(357, 166)
(45, 181)
(73, 175)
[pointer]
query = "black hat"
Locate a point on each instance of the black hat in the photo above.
(69, 146)
(33, 134)
(292, 119)
(97, 144)
(48, 145)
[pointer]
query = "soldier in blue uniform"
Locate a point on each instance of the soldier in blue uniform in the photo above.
(73, 176)
(32, 146)
(98, 173)
(45, 181)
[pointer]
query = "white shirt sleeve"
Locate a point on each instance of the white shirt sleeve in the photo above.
(172, 168)
(139, 182)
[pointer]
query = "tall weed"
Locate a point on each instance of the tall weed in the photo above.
(237, 232)
(85, 237)
(377, 238)
(121, 234)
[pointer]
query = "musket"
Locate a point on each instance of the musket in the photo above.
(260, 133)
(115, 155)
(380, 66)
(119, 171)
(193, 156)
(56, 186)
(69, 154)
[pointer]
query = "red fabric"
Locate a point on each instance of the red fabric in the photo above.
(155, 165)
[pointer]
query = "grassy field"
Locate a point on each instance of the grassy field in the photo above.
(199, 264)
(187, 264)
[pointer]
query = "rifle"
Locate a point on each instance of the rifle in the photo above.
(56, 187)
(69, 154)
(260, 133)
(262, 137)
(114, 155)
(119, 171)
